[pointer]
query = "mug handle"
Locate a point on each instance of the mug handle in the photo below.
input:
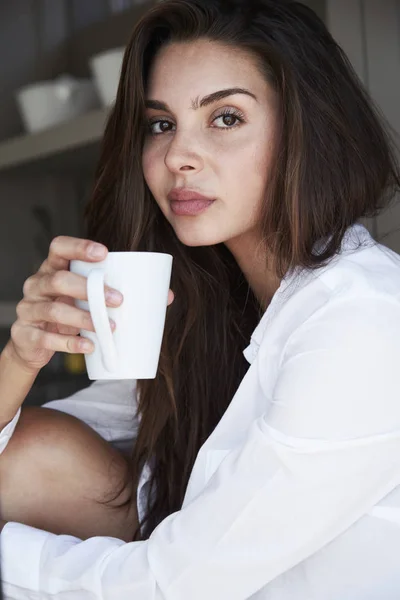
(98, 312)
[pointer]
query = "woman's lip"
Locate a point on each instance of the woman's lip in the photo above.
(185, 195)
(190, 207)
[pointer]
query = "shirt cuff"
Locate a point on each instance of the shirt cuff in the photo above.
(20, 552)
(8, 430)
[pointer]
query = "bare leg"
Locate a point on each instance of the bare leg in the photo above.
(54, 473)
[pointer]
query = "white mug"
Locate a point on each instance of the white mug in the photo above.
(132, 351)
(106, 69)
(46, 103)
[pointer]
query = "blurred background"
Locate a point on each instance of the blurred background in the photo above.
(58, 78)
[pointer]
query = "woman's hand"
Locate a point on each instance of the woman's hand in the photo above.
(47, 318)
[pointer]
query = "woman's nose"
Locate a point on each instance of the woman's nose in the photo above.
(182, 155)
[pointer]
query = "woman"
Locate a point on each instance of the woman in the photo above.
(264, 456)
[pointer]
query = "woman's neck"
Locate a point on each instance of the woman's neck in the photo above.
(251, 258)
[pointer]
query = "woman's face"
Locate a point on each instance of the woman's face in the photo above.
(220, 149)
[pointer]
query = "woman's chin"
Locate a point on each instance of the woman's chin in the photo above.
(198, 238)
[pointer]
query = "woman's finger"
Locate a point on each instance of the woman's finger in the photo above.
(65, 248)
(29, 337)
(62, 283)
(56, 312)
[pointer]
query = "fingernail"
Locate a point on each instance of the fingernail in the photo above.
(86, 346)
(114, 297)
(96, 251)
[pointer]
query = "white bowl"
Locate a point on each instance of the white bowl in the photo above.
(106, 69)
(46, 103)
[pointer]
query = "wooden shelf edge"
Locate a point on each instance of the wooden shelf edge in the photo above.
(85, 130)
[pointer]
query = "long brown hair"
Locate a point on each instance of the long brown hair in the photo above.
(334, 163)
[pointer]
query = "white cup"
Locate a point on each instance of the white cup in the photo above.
(106, 69)
(132, 351)
(46, 103)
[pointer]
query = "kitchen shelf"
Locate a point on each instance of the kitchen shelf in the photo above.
(72, 145)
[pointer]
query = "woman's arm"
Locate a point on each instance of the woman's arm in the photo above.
(56, 470)
(16, 381)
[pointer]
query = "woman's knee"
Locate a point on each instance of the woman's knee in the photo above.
(55, 466)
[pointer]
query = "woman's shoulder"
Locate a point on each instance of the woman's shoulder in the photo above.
(358, 288)
(363, 269)
(370, 269)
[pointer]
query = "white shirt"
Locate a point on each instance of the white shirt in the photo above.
(295, 494)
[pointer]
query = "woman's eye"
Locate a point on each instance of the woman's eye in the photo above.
(161, 124)
(229, 120)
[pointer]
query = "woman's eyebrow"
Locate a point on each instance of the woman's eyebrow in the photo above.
(214, 97)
